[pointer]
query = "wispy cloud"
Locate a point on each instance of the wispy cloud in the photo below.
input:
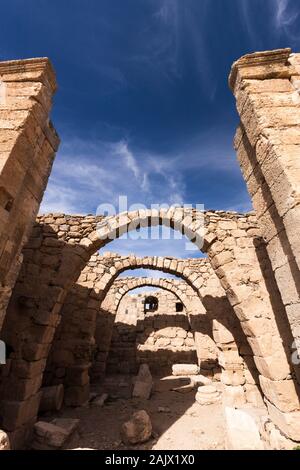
(121, 149)
(285, 15)
(177, 33)
(89, 173)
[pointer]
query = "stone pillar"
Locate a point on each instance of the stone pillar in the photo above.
(28, 143)
(266, 86)
(232, 366)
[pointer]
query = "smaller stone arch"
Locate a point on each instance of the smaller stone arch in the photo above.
(160, 337)
(128, 284)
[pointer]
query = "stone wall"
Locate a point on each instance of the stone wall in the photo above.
(61, 246)
(266, 86)
(28, 143)
(159, 338)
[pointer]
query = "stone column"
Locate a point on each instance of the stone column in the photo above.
(266, 86)
(28, 143)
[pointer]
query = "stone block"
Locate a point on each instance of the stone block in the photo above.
(185, 369)
(281, 393)
(242, 432)
(288, 423)
(234, 396)
(4, 441)
(143, 383)
(138, 429)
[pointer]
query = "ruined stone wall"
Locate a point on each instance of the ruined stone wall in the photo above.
(28, 143)
(76, 347)
(75, 342)
(159, 338)
(54, 258)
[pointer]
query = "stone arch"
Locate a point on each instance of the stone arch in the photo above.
(158, 337)
(188, 221)
(114, 263)
(56, 254)
(130, 284)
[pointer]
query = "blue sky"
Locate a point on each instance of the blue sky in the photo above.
(143, 107)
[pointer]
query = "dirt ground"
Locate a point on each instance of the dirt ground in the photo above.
(179, 423)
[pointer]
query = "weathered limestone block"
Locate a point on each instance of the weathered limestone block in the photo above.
(221, 334)
(276, 439)
(4, 441)
(207, 395)
(282, 394)
(138, 429)
(272, 367)
(288, 423)
(53, 435)
(143, 383)
(185, 369)
(234, 396)
(242, 432)
(198, 380)
(233, 377)
(17, 413)
(253, 396)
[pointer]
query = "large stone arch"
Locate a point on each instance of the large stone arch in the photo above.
(74, 341)
(61, 246)
(203, 315)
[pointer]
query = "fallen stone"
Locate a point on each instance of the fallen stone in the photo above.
(207, 395)
(185, 369)
(53, 435)
(48, 435)
(138, 429)
(200, 380)
(143, 383)
(241, 431)
(4, 441)
(68, 424)
(99, 401)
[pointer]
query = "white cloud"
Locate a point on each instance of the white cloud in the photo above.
(89, 173)
(284, 16)
(121, 148)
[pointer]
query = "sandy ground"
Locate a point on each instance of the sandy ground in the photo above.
(179, 423)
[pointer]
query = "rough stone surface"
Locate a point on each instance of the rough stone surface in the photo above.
(53, 435)
(242, 432)
(4, 441)
(207, 395)
(185, 369)
(143, 383)
(137, 429)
